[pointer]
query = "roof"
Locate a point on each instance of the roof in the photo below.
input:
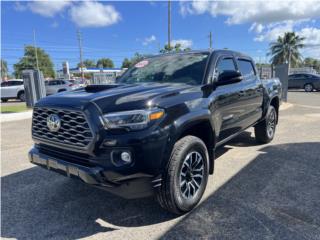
(208, 51)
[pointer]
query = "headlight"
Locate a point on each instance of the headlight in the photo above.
(135, 120)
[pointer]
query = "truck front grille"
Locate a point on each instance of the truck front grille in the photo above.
(74, 129)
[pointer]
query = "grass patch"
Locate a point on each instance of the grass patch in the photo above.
(13, 108)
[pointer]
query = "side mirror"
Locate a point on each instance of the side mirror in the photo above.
(229, 77)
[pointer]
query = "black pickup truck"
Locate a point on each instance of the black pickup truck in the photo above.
(155, 131)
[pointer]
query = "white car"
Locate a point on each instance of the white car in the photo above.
(12, 89)
(55, 86)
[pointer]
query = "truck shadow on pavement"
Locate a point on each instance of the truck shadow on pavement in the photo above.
(37, 204)
(275, 196)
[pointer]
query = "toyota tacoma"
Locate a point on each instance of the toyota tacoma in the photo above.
(155, 131)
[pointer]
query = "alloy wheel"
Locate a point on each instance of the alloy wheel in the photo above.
(271, 124)
(191, 175)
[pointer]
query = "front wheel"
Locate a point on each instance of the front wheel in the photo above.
(308, 87)
(265, 130)
(185, 177)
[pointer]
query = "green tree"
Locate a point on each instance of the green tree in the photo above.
(176, 48)
(286, 49)
(105, 63)
(126, 63)
(88, 63)
(135, 59)
(4, 69)
(311, 62)
(28, 61)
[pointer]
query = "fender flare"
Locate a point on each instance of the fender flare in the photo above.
(185, 122)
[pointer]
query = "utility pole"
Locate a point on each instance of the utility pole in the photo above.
(210, 40)
(169, 24)
(80, 50)
(35, 50)
(289, 60)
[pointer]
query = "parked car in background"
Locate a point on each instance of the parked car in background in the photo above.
(12, 89)
(76, 83)
(306, 81)
(55, 86)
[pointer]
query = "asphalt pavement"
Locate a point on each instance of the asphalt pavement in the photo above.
(266, 191)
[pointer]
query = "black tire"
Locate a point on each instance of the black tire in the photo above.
(4, 100)
(22, 96)
(169, 194)
(265, 130)
(308, 87)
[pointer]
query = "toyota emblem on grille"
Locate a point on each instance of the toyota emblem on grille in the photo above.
(54, 122)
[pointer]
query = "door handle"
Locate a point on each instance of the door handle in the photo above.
(227, 117)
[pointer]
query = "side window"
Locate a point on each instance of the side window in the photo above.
(224, 65)
(4, 84)
(17, 83)
(306, 76)
(246, 67)
(51, 83)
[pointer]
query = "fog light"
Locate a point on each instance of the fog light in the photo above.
(121, 158)
(126, 157)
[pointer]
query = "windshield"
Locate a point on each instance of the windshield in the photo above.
(179, 68)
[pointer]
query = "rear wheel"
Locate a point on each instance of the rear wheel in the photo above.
(265, 130)
(22, 96)
(308, 87)
(186, 176)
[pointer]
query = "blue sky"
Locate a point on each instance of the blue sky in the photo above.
(119, 29)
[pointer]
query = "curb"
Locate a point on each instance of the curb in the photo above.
(8, 117)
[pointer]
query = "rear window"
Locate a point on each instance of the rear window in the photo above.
(246, 67)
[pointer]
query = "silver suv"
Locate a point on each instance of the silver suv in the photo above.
(55, 86)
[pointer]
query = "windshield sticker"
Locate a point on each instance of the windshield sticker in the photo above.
(142, 64)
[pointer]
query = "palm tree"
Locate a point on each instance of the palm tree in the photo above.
(286, 49)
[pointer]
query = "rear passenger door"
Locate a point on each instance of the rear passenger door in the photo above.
(251, 94)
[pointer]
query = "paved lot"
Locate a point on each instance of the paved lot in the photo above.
(257, 192)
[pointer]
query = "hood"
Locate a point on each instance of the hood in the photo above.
(112, 98)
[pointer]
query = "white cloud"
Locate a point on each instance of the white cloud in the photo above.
(257, 11)
(48, 8)
(149, 40)
(55, 24)
(18, 6)
(256, 27)
(268, 19)
(311, 34)
(312, 42)
(185, 43)
(273, 31)
(94, 14)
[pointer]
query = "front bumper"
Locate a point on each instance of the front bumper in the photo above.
(127, 186)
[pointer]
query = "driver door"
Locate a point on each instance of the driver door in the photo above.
(226, 107)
